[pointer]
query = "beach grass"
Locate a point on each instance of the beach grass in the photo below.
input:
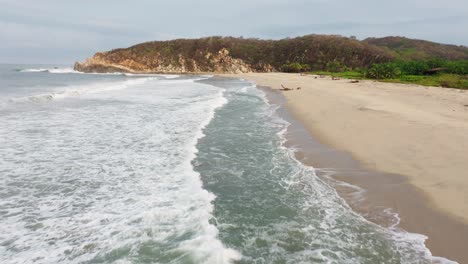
(439, 80)
(345, 74)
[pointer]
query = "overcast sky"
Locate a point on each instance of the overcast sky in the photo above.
(63, 31)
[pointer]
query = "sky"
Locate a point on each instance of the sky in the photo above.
(65, 31)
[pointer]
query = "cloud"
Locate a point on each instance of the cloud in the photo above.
(79, 27)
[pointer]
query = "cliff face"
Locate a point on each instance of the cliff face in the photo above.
(239, 55)
(236, 55)
(122, 61)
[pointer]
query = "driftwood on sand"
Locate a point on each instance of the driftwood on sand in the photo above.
(284, 88)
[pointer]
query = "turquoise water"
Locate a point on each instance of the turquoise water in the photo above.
(165, 169)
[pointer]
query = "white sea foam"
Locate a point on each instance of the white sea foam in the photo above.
(62, 70)
(50, 70)
(111, 180)
(408, 244)
(166, 76)
(213, 248)
(71, 70)
(75, 91)
(107, 182)
(34, 70)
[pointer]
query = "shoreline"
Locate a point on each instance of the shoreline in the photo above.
(376, 190)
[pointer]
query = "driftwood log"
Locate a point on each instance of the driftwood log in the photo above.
(284, 88)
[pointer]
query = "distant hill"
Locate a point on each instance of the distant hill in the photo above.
(233, 55)
(415, 49)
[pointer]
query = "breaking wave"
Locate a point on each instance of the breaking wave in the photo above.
(75, 91)
(71, 70)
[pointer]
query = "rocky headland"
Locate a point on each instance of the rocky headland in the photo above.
(239, 55)
(219, 62)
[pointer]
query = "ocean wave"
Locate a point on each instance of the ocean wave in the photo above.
(409, 246)
(67, 71)
(166, 76)
(32, 70)
(71, 70)
(75, 91)
(113, 182)
(407, 243)
(49, 70)
(212, 247)
(62, 70)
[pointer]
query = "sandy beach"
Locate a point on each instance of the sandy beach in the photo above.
(415, 137)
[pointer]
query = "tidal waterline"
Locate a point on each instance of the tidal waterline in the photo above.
(388, 200)
(272, 208)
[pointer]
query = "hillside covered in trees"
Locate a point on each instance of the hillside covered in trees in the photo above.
(415, 49)
(204, 55)
(379, 58)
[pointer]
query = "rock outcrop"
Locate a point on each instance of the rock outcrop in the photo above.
(123, 61)
(239, 55)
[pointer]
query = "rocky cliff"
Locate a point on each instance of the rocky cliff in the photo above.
(219, 62)
(235, 55)
(238, 55)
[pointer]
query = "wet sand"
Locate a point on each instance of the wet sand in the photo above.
(376, 191)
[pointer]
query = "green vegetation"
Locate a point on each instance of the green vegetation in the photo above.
(347, 74)
(383, 71)
(317, 52)
(435, 72)
(440, 80)
(295, 67)
(395, 59)
(415, 49)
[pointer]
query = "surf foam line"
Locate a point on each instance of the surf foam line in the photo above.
(399, 236)
(76, 91)
(71, 70)
(208, 245)
(53, 70)
(86, 237)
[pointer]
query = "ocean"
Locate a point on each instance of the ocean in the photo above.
(122, 168)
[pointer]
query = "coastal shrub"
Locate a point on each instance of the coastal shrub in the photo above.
(335, 66)
(414, 49)
(352, 74)
(442, 80)
(453, 81)
(383, 71)
(456, 67)
(346, 74)
(295, 67)
(423, 67)
(414, 67)
(436, 63)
